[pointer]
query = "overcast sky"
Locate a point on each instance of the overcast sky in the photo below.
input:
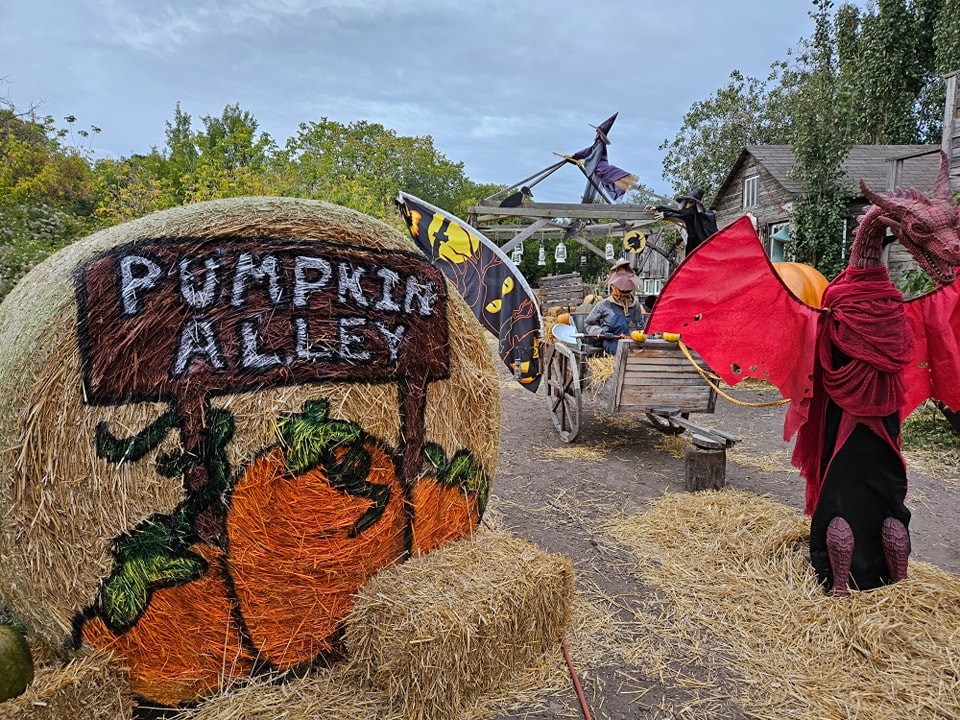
(499, 85)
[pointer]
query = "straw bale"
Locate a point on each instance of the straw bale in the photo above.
(63, 506)
(735, 572)
(600, 370)
(89, 687)
(438, 631)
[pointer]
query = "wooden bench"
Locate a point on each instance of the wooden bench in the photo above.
(566, 291)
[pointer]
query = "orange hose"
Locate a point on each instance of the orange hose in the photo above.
(576, 681)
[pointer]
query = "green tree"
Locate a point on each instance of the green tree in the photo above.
(820, 143)
(46, 194)
(181, 153)
(129, 188)
(746, 111)
(330, 161)
(888, 62)
(232, 159)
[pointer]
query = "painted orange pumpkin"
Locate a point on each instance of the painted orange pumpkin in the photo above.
(187, 642)
(308, 524)
(804, 281)
(448, 500)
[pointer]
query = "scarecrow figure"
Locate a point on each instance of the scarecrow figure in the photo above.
(618, 314)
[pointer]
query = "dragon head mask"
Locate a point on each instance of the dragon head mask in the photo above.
(929, 228)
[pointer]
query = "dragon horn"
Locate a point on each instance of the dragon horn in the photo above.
(941, 187)
(875, 198)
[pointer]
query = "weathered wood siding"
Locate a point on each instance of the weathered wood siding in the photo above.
(771, 197)
(951, 129)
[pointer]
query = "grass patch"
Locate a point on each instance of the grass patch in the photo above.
(927, 429)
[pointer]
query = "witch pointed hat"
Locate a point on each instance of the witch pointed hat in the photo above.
(603, 129)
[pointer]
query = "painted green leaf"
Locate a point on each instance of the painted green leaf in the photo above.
(309, 437)
(125, 595)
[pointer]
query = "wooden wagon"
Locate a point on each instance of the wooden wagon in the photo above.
(653, 378)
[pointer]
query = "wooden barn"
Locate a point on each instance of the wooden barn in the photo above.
(759, 182)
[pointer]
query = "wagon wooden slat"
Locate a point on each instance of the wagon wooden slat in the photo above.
(653, 378)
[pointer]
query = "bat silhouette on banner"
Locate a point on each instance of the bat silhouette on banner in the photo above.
(486, 278)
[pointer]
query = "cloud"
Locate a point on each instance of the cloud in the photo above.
(498, 85)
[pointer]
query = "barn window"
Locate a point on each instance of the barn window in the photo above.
(652, 286)
(751, 191)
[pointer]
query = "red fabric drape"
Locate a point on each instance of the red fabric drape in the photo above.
(866, 322)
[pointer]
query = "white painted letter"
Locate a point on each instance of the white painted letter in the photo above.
(303, 287)
(425, 295)
(137, 274)
(304, 348)
(247, 269)
(203, 298)
(351, 344)
(197, 339)
(393, 337)
(390, 280)
(350, 282)
(251, 358)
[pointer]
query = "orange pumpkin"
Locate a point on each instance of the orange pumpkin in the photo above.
(432, 502)
(448, 499)
(301, 545)
(804, 281)
(187, 643)
(563, 318)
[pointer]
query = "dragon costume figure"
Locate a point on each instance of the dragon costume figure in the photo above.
(853, 368)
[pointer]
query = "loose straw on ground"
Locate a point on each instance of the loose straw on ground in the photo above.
(734, 570)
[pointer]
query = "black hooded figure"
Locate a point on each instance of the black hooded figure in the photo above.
(699, 222)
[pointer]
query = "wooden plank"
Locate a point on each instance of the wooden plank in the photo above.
(667, 396)
(524, 234)
(619, 211)
(663, 365)
(614, 399)
(665, 381)
(646, 404)
(694, 427)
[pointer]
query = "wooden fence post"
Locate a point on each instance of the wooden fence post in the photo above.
(705, 465)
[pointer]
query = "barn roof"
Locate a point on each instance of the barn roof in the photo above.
(871, 163)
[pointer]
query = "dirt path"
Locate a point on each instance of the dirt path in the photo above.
(560, 496)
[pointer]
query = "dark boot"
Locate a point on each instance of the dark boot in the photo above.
(840, 551)
(896, 548)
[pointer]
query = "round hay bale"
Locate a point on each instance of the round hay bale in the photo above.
(218, 421)
(90, 686)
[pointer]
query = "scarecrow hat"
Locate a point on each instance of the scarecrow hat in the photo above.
(623, 277)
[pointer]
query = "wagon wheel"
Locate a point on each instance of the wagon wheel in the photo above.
(563, 392)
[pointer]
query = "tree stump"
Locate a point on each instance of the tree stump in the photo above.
(704, 468)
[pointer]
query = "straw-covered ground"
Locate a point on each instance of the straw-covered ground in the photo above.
(705, 606)
(684, 605)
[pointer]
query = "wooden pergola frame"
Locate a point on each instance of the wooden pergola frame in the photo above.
(578, 222)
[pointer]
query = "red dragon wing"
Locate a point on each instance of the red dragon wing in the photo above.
(933, 320)
(728, 303)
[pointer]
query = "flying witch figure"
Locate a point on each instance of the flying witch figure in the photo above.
(853, 368)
